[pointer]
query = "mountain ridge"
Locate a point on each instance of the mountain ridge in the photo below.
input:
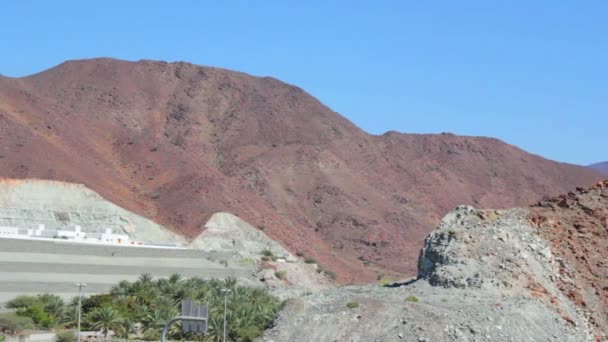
(176, 142)
(601, 167)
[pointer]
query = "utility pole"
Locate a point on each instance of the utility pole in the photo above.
(225, 291)
(80, 286)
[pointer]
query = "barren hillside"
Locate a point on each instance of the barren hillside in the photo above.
(178, 142)
(601, 167)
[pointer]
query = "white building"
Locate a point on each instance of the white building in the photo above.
(105, 237)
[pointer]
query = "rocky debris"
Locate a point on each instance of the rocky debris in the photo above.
(276, 268)
(177, 143)
(225, 231)
(484, 275)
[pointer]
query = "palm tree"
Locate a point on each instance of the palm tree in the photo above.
(145, 278)
(105, 319)
(122, 289)
(175, 278)
(55, 308)
(126, 327)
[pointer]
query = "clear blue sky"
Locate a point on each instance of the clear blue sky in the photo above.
(532, 73)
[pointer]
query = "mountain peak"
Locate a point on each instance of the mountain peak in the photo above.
(177, 142)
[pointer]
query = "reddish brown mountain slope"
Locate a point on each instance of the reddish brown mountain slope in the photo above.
(577, 226)
(601, 167)
(178, 142)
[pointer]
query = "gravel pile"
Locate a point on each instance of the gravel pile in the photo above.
(484, 275)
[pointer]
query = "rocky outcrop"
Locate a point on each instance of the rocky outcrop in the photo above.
(576, 227)
(286, 275)
(483, 275)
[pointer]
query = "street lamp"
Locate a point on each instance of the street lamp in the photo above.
(225, 291)
(80, 286)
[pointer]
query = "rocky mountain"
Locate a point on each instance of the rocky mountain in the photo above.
(535, 274)
(177, 142)
(601, 167)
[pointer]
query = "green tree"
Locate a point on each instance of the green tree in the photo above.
(105, 319)
(11, 323)
(37, 314)
(22, 302)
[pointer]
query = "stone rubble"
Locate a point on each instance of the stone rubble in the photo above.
(483, 275)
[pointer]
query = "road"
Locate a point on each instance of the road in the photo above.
(32, 267)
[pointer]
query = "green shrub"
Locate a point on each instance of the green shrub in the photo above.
(352, 305)
(280, 274)
(36, 312)
(22, 302)
(385, 282)
(267, 253)
(66, 336)
(151, 335)
(412, 299)
(248, 334)
(310, 260)
(13, 322)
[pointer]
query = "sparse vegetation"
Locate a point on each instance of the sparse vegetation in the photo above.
(352, 305)
(66, 336)
(310, 260)
(11, 322)
(385, 282)
(267, 253)
(412, 299)
(331, 275)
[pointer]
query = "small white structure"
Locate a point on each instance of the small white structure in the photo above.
(10, 231)
(106, 237)
(76, 234)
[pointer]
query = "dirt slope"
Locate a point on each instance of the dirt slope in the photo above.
(178, 142)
